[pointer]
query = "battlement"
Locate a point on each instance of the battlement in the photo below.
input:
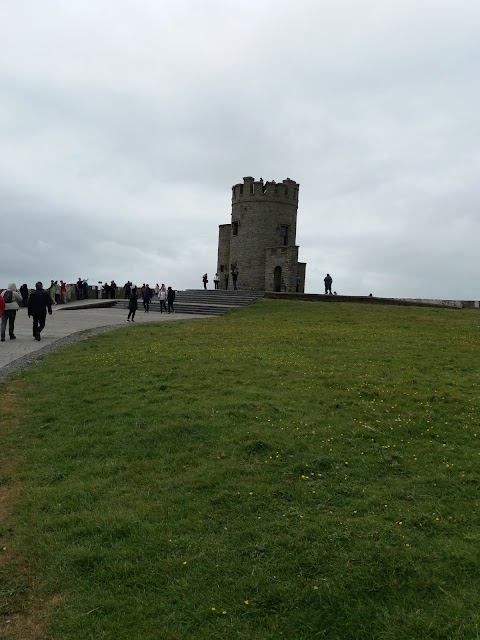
(258, 190)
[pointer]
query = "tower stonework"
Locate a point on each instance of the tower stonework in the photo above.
(260, 240)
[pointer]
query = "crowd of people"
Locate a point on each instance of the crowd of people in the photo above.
(39, 301)
(165, 295)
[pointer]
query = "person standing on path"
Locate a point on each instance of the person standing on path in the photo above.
(147, 298)
(24, 294)
(38, 304)
(216, 280)
(226, 280)
(51, 290)
(63, 292)
(162, 296)
(170, 299)
(205, 280)
(12, 301)
(79, 288)
(132, 305)
(328, 284)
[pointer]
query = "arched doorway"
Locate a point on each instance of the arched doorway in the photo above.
(277, 279)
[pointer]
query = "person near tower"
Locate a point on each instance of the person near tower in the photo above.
(328, 284)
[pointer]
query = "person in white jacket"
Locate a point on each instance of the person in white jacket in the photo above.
(13, 300)
(162, 296)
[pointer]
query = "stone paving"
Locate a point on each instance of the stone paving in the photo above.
(66, 320)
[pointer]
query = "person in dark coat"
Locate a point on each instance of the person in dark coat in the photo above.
(328, 284)
(24, 294)
(132, 305)
(39, 303)
(147, 298)
(170, 299)
(234, 278)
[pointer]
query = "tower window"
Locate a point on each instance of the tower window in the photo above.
(235, 228)
(284, 235)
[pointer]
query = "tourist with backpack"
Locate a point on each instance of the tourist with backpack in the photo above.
(12, 300)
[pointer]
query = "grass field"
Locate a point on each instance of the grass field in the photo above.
(291, 470)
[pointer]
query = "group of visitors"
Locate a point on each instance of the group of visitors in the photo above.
(38, 303)
(81, 288)
(165, 295)
(110, 290)
(57, 291)
(216, 279)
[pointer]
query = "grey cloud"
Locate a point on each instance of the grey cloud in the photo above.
(124, 129)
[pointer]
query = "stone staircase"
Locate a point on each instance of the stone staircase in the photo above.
(201, 302)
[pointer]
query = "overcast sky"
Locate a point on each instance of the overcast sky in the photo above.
(125, 123)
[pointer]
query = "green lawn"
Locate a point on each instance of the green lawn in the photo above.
(291, 470)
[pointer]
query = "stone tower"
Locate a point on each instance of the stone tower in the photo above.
(260, 240)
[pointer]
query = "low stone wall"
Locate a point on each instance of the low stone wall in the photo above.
(417, 302)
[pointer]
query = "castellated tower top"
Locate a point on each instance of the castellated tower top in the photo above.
(259, 191)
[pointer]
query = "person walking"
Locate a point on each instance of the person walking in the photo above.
(162, 296)
(205, 280)
(12, 300)
(170, 299)
(216, 280)
(132, 305)
(38, 305)
(328, 284)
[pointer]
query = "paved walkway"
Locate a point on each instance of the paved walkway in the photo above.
(67, 320)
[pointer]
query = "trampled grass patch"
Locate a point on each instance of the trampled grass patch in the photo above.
(291, 470)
